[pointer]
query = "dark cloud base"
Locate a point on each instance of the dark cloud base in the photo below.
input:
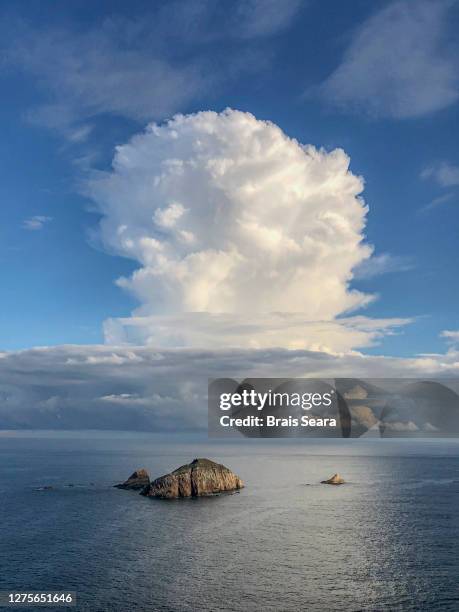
(141, 389)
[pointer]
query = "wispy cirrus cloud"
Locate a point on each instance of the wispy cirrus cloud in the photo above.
(443, 173)
(438, 201)
(451, 336)
(141, 68)
(36, 223)
(382, 264)
(265, 17)
(402, 62)
(103, 71)
(446, 176)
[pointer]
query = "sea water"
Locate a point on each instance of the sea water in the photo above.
(386, 540)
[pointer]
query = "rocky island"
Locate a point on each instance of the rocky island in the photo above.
(199, 478)
(136, 481)
(336, 479)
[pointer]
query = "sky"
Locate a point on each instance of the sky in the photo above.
(179, 177)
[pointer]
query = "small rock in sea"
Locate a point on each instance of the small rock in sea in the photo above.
(136, 481)
(201, 477)
(336, 479)
(45, 488)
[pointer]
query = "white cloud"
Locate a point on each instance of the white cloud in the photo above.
(265, 17)
(202, 21)
(382, 264)
(35, 223)
(80, 133)
(400, 427)
(168, 217)
(141, 68)
(451, 336)
(286, 330)
(400, 63)
(446, 175)
(239, 231)
(443, 173)
(105, 70)
(438, 201)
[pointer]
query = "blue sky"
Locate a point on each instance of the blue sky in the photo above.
(380, 80)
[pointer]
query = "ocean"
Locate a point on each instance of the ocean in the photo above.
(386, 540)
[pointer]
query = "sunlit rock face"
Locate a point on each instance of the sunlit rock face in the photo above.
(336, 479)
(199, 478)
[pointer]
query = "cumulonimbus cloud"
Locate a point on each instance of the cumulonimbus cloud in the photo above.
(243, 236)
